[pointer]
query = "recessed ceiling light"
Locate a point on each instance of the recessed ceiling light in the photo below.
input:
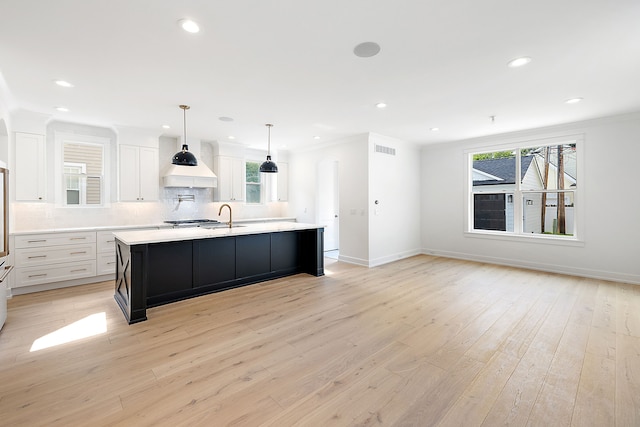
(435, 129)
(573, 100)
(366, 49)
(381, 105)
(63, 83)
(62, 109)
(189, 26)
(519, 62)
(231, 137)
(316, 137)
(166, 127)
(225, 119)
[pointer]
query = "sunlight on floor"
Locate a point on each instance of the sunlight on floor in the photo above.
(94, 324)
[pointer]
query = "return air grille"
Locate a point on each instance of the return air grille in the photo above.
(385, 150)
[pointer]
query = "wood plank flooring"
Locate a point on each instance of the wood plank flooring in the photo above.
(425, 341)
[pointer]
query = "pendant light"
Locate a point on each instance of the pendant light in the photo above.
(268, 166)
(184, 157)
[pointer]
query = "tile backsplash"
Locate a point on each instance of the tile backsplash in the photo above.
(48, 216)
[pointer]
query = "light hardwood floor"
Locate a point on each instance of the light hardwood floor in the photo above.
(424, 341)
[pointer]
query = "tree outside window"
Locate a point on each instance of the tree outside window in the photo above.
(253, 182)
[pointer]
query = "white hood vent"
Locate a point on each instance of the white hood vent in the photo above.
(199, 176)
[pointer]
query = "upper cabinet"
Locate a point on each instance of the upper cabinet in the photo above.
(231, 174)
(138, 173)
(30, 167)
(283, 181)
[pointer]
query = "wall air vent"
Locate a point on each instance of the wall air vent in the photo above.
(385, 150)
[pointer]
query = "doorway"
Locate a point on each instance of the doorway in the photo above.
(328, 205)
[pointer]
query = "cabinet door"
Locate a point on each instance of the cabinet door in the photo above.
(230, 179)
(283, 182)
(238, 179)
(172, 268)
(149, 173)
(253, 255)
(129, 173)
(30, 170)
(214, 261)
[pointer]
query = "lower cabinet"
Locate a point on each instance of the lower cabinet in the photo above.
(170, 268)
(53, 257)
(154, 274)
(253, 255)
(216, 262)
(53, 260)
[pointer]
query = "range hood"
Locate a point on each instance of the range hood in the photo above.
(199, 176)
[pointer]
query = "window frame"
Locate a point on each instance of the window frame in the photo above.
(518, 192)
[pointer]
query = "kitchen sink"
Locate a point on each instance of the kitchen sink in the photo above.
(217, 226)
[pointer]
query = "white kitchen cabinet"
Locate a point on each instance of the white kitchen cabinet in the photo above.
(54, 257)
(283, 182)
(30, 167)
(106, 257)
(139, 173)
(231, 177)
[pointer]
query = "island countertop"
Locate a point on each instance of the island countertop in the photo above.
(140, 237)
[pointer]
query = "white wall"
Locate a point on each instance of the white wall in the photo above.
(611, 206)
(370, 234)
(394, 182)
(351, 155)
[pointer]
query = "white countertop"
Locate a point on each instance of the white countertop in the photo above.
(125, 227)
(140, 237)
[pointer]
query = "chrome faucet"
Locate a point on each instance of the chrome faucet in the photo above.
(230, 218)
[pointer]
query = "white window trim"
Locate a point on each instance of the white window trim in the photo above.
(579, 212)
(59, 140)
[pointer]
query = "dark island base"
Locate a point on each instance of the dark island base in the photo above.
(153, 274)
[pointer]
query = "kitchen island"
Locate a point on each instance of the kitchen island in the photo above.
(156, 267)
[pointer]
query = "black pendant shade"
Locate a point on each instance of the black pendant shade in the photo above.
(269, 166)
(184, 157)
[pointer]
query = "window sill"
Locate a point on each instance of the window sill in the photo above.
(534, 238)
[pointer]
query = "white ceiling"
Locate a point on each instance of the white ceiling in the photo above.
(291, 63)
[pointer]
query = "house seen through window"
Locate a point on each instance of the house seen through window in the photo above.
(83, 173)
(525, 190)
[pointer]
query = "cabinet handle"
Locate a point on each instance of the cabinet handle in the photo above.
(110, 241)
(37, 275)
(78, 238)
(37, 256)
(36, 241)
(78, 253)
(76, 271)
(109, 263)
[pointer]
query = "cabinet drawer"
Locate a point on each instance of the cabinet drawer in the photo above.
(55, 254)
(49, 239)
(105, 241)
(106, 263)
(28, 276)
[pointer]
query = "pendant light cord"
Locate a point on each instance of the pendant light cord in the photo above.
(269, 139)
(184, 121)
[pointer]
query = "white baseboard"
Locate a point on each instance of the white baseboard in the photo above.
(551, 268)
(381, 260)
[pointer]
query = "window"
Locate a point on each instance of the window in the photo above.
(530, 189)
(83, 173)
(253, 180)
